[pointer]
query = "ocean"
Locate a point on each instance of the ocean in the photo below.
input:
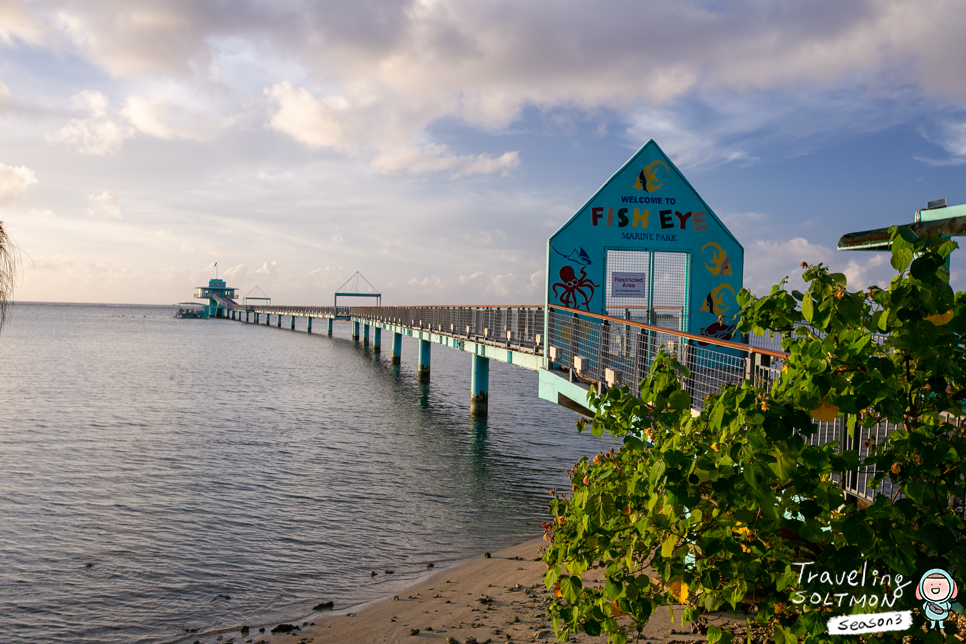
(162, 480)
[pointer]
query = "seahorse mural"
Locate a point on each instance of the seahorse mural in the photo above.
(720, 264)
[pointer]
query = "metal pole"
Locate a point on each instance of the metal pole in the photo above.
(479, 385)
(377, 341)
(396, 347)
(423, 368)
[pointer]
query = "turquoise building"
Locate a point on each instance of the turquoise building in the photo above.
(220, 298)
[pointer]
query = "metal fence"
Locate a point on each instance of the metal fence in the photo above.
(519, 327)
(614, 351)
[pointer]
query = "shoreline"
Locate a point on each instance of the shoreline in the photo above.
(495, 599)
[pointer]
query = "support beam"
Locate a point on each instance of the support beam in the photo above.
(355, 331)
(479, 385)
(310, 325)
(280, 320)
(330, 327)
(377, 341)
(293, 322)
(246, 317)
(423, 368)
(396, 347)
(365, 333)
(256, 317)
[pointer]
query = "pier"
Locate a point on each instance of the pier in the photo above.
(643, 266)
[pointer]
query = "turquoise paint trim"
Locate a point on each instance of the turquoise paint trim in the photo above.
(479, 375)
(508, 356)
(424, 352)
(552, 386)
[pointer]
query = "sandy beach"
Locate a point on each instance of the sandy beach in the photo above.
(497, 599)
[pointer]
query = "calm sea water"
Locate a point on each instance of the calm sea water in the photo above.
(159, 475)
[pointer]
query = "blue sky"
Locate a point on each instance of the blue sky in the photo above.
(434, 146)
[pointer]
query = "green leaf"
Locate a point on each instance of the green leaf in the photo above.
(668, 546)
(680, 400)
(613, 588)
(592, 627)
(807, 310)
(570, 588)
(784, 635)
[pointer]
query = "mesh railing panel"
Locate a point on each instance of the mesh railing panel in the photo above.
(518, 327)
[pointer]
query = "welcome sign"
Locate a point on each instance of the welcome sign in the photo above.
(648, 207)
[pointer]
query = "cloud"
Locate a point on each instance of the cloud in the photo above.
(56, 264)
(952, 137)
(314, 122)
(16, 24)
(766, 262)
(161, 117)
(103, 205)
(98, 134)
(14, 182)
(234, 271)
(436, 158)
(268, 269)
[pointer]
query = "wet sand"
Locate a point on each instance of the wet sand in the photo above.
(496, 599)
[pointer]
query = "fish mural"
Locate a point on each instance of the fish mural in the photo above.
(720, 264)
(577, 256)
(714, 303)
(717, 330)
(647, 179)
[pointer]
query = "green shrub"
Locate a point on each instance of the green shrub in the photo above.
(713, 512)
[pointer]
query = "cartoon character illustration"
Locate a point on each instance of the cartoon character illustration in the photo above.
(720, 264)
(647, 179)
(576, 291)
(578, 256)
(718, 330)
(936, 588)
(714, 303)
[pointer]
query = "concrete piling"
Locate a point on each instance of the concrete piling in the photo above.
(377, 341)
(479, 385)
(396, 347)
(424, 353)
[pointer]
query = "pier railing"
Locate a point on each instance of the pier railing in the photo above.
(518, 327)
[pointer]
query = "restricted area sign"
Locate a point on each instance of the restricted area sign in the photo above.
(628, 285)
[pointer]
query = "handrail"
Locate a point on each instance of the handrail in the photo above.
(691, 336)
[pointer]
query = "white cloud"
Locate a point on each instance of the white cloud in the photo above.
(16, 24)
(437, 158)
(42, 212)
(55, 263)
(98, 134)
(766, 262)
(234, 271)
(314, 122)
(103, 205)
(162, 117)
(268, 268)
(14, 182)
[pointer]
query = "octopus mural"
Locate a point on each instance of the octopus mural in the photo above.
(574, 292)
